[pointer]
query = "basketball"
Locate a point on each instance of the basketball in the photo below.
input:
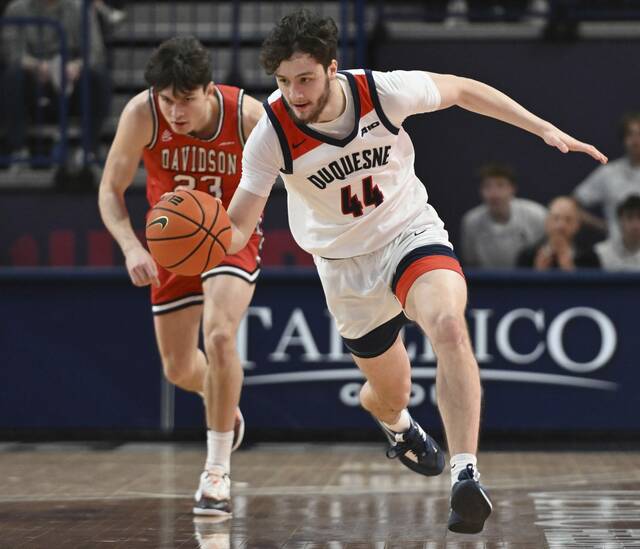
(188, 232)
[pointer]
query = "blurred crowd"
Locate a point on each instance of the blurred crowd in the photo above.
(598, 226)
(36, 68)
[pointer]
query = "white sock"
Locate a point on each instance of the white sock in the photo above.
(219, 450)
(403, 423)
(459, 463)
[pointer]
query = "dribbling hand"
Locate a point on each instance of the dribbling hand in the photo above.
(142, 268)
(565, 143)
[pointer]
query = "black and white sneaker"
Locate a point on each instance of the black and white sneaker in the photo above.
(415, 449)
(470, 503)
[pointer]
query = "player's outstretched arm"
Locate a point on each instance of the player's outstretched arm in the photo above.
(483, 99)
(134, 132)
(244, 212)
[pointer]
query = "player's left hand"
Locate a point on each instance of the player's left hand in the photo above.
(565, 143)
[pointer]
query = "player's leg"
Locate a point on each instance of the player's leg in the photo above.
(437, 301)
(228, 290)
(369, 318)
(177, 311)
(386, 396)
(226, 301)
(177, 333)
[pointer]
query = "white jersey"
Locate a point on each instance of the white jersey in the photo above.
(348, 194)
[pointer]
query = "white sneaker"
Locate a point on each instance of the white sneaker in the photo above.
(213, 496)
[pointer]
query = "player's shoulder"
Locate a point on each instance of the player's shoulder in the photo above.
(139, 106)
(252, 112)
(137, 123)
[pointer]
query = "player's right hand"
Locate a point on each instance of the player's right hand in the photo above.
(141, 267)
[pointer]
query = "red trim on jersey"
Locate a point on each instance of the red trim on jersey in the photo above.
(366, 103)
(421, 266)
(295, 136)
(299, 142)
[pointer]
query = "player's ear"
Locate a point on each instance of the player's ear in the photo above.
(332, 69)
(209, 90)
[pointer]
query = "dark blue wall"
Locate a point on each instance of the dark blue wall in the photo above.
(557, 352)
(583, 88)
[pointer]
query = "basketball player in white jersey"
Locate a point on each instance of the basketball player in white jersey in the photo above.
(381, 250)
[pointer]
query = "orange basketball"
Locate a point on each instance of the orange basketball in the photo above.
(188, 232)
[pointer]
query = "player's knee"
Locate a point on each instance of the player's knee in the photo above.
(220, 343)
(175, 370)
(447, 329)
(398, 399)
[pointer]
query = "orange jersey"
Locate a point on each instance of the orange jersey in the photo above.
(211, 165)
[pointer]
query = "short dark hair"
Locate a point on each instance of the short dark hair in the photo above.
(300, 31)
(626, 121)
(497, 170)
(631, 204)
(180, 63)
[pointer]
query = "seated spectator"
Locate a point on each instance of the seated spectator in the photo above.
(610, 184)
(558, 250)
(34, 71)
(623, 254)
(494, 233)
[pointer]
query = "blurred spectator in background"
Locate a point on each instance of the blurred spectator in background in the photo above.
(608, 185)
(623, 254)
(559, 250)
(459, 11)
(109, 13)
(34, 68)
(494, 233)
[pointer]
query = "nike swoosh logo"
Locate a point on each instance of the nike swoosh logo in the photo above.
(296, 145)
(419, 232)
(162, 220)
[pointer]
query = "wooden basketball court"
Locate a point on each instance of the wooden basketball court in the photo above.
(332, 496)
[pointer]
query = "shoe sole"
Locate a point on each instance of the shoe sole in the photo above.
(211, 512)
(470, 508)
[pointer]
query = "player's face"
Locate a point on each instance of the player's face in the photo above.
(632, 141)
(497, 193)
(305, 86)
(188, 112)
(630, 227)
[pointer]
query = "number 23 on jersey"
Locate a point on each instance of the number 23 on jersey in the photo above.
(213, 183)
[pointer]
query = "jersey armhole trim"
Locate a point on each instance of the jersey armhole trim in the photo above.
(154, 116)
(376, 104)
(284, 144)
(240, 125)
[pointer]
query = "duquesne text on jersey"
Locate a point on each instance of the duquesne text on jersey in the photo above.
(344, 166)
(198, 159)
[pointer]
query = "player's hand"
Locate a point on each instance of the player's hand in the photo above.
(142, 268)
(565, 143)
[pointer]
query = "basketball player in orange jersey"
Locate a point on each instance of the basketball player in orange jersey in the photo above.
(380, 248)
(190, 133)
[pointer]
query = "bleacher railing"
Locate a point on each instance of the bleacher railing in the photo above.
(57, 154)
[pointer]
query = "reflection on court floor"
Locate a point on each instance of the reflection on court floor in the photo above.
(310, 496)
